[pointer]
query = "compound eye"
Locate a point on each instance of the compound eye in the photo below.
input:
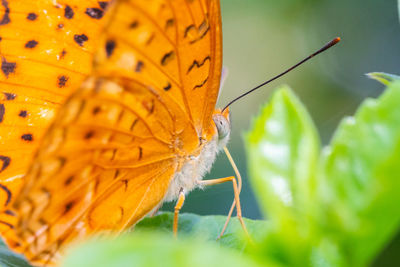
(223, 126)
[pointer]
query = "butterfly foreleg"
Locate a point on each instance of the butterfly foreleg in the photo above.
(236, 202)
(178, 206)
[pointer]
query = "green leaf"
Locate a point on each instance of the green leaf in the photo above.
(384, 78)
(282, 150)
(154, 249)
(152, 244)
(360, 179)
(11, 259)
(206, 228)
(343, 207)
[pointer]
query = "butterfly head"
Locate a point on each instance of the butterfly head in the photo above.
(223, 124)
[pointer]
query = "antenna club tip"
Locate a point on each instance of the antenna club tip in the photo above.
(328, 45)
(337, 40)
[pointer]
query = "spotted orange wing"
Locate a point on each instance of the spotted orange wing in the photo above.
(172, 46)
(110, 165)
(114, 147)
(45, 55)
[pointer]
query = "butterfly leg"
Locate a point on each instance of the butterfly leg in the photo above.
(236, 193)
(239, 179)
(178, 206)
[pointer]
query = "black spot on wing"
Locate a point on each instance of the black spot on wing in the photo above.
(103, 5)
(6, 162)
(7, 67)
(140, 153)
(2, 111)
(23, 113)
(116, 174)
(133, 124)
(167, 58)
(120, 116)
(89, 135)
(80, 39)
(114, 152)
(139, 66)
(62, 161)
(68, 12)
(134, 24)
(96, 110)
(69, 180)
(125, 182)
(94, 13)
(31, 44)
(169, 23)
(201, 85)
(68, 206)
(27, 137)
(110, 46)
(8, 193)
(167, 87)
(188, 29)
(60, 26)
(150, 40)
(9, 212)
(10, 96)
(6, 16)
(197, 64)
(63, 53)
(62, 80)
(32, 16)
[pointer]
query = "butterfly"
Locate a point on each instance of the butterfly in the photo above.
(108, 111)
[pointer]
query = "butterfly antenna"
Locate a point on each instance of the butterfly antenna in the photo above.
(325, 47)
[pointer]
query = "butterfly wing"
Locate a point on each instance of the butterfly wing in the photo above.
(115, 145)
(45, 55)
(111, 167)
(174, 47)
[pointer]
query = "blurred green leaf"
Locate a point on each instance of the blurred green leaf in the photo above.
(337, 210)
(282, 150)
(360, 179)
(206, 227)
(382, 77)
(11, 259)
(152, 244)
(154, 249)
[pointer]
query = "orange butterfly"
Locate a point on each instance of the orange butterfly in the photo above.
(140, 130)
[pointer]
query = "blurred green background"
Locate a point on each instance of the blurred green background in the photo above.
(263, 38)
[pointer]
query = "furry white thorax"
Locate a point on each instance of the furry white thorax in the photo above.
(194, 169)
